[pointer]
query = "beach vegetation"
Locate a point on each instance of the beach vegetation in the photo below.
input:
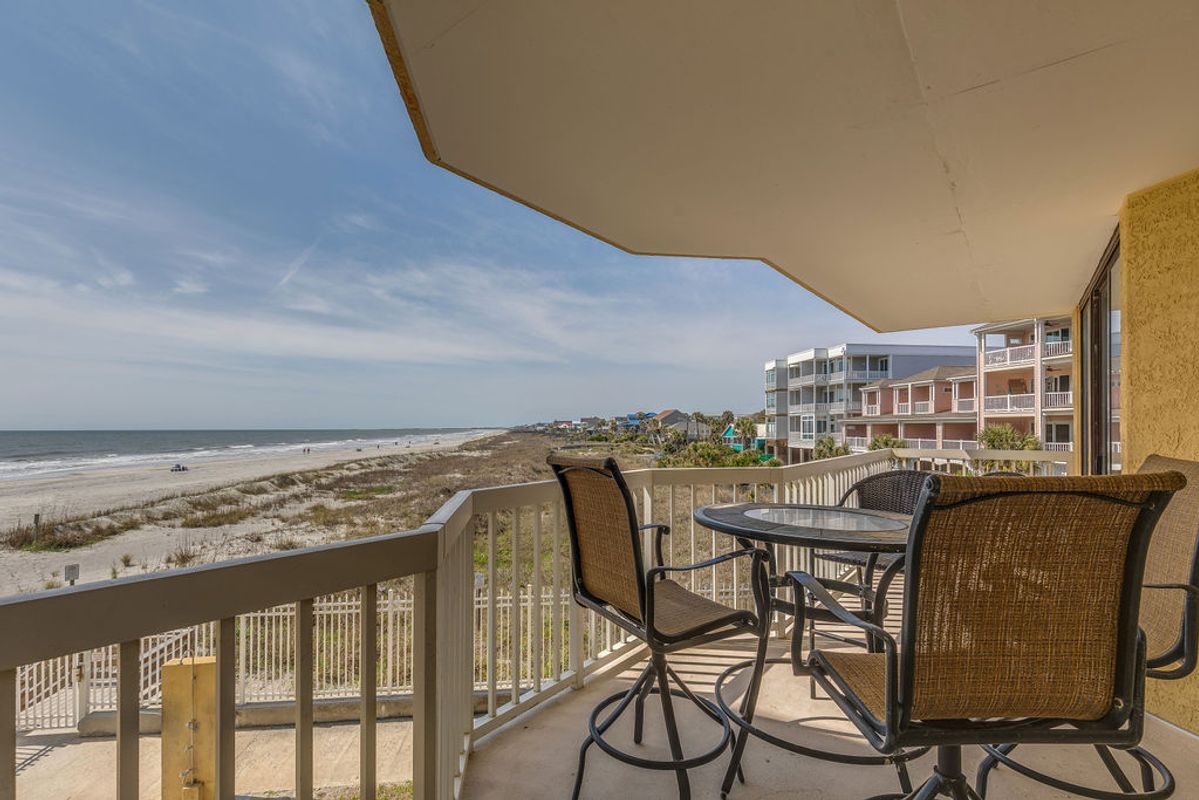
(218, 518)
(366, 492)
(127, 559)
(52, 583)
(183, 554)
(827, 447)
(713, 454)
(885, 441)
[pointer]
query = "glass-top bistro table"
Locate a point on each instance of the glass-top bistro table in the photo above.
(821, 528)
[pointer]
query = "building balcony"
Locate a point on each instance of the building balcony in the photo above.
(1058, 447)
(959, 444)
(1010, 356)
(845, 407)
(857, 375)
(922, 407)
(858, 443)
(1057, 349)
(871, 410)
(448, 639)
(1010, 404)
(1053, 400)
(964, 405)
(903, 408)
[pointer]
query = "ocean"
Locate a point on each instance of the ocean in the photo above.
(36, 454)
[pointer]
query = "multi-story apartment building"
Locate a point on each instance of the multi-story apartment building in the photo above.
(1025, 373)
(932, 409)
(775, 432)
(823, 384)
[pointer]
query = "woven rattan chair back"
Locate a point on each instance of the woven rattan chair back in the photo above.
(1022, 593)
(1166, 616)
(896, 491)
(602, 521)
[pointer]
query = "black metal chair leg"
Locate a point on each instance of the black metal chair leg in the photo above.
(639, 711)
(638, 687)
(747, 711)
(984, 769)
(672, 730)
(1113, 768)
(905, 780)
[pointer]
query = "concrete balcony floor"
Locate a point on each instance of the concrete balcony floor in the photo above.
(536, 756)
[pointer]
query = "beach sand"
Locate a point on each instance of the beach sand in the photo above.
(149, 547)
(89, 492)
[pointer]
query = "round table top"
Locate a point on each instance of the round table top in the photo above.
(822, 527)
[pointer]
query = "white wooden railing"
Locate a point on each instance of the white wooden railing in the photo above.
(1010, 355)
(959, 444)
(1010, 402)
(472, 619)
(963, 404)
(1051, 349)
(1059, 447)
(921, 444)
(923, 407)
(872, 410)
(903, 408)
(857, 442)
(1059, 399)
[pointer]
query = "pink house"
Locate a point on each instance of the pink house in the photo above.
(933, 409)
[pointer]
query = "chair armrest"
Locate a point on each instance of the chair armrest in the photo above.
(805, 582)
(759, 580)
(662, 530)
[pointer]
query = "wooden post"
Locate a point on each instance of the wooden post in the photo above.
(367, 658)
(425, 740)
(226, 708)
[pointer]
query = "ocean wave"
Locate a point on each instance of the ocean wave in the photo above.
(16, 469)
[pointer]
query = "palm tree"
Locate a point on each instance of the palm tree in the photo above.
(885, 441)
(827, 447)
(746, 430)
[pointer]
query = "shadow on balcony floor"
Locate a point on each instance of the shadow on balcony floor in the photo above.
(536, 756)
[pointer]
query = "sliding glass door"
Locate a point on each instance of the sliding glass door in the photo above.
(1099, 313)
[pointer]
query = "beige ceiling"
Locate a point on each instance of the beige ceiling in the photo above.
(916, 163)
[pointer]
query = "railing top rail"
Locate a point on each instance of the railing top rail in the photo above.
(981, 455)
(96, 614)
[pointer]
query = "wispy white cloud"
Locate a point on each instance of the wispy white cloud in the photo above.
(190, 286)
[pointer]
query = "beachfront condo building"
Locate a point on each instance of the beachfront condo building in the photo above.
(824, 385)
(934, 409)
(1026, 372)
(775, 427)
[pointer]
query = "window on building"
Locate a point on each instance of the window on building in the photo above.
(1057, 432)
(1099, 315)
(884, 364)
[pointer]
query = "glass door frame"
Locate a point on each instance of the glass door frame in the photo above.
(1093, 388)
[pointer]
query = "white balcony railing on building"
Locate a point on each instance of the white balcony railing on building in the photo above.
(872, 410)
(844, 407)
(1010, 403)
(921, 444)
(959, 444)
(903, 408)
(837, 377)
(1060, 348)
(1059, 447)
(1010, 355)
(963, 404)
(867, 375)
(807, 408)
(857, 442)
(923, 407)
(1058, 400)
(454, 617)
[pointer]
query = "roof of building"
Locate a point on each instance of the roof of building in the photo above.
(941, 372)
(661, 415)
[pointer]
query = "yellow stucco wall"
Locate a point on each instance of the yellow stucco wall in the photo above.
(1159, 251)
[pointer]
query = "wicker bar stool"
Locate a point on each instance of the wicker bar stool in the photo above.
(1019, 621)
(897, 491)
(609, 578)
(1169, 618)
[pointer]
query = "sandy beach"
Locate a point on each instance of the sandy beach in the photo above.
(260, 514)
(93, 491)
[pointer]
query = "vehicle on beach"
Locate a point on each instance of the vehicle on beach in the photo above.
(178, 468)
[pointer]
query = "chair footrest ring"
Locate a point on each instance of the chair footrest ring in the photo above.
(812, 752)
(726, 736)
(1143, 757)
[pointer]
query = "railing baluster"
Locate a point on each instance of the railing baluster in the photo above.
(128, 707)
(226, 710)
(536, 660)
(556, 589)
(367, 657)
(492, 621)
(425, 743)
(304, 681)
(8, 734)
(515, 647)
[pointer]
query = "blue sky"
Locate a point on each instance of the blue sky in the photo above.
(217, 215)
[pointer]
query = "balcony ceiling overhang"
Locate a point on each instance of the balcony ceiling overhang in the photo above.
(914, 162)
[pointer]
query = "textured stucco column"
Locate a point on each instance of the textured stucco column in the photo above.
(1159, 251)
